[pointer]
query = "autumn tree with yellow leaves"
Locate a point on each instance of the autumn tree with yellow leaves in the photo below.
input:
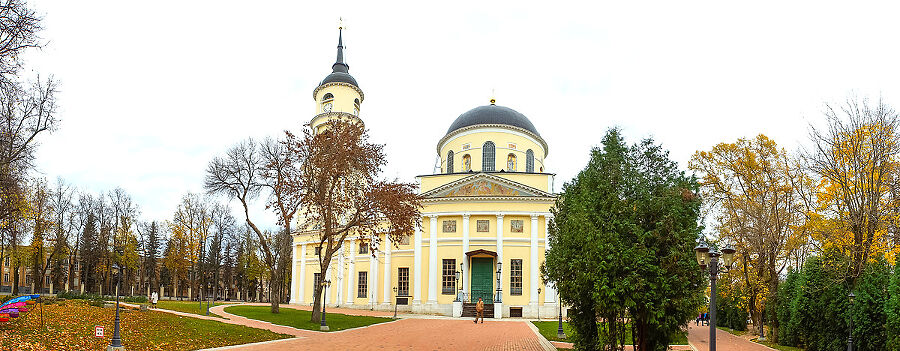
(755, 193)
(855, 157)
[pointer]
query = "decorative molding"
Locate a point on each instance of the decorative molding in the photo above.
(334, 114)
(480, 185)
(362, 97)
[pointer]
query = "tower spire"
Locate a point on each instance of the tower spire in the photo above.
(339, 65)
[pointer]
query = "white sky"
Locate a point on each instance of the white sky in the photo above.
(152, 91)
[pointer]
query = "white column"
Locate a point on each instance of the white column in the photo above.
(371, 279)
(328, 293)
(533, 264)
(388, 246)
(417, 268)
(465, 248)
(433, 261)
(339, 287)
(500, 250)
(549, 289)
(295, 274)
(302, 284)
(351, 272)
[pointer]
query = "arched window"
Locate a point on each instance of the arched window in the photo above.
(467, 163)
(326, 102)
(450, 161)
(356, 107)
(511, 163)
(488, 157)
(529, 161)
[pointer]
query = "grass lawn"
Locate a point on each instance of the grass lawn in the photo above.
(69, 325)
(300, 319)
(188, 306)
(548, 330)
(733, 331)
(776, 346)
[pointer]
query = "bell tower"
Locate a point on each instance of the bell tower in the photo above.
(338, 96)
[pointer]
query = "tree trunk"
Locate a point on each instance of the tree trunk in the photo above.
(316, 316)
(275, 299)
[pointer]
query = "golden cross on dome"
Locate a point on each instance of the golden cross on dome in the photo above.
(340, 23)
(493, 99)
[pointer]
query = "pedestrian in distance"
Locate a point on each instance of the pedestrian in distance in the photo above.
(479, 311)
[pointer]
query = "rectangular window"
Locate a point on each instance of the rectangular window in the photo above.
(47, 280)
(403, 281)
(449, 226)
(6, 277)
(515, 277)
(7, 261)
(318, 250)
(76, 265)
(448, 278)
(363, 248)
(316, 277)
(362, 285)
(482, 225)
(516, 226)
(28, 279)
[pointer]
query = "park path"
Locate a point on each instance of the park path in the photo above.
(411, 332)
(698, 337)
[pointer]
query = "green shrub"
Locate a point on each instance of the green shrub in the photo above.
(787, 333)
(868, 312)
(136, 299)
(821, 307)
(892, 312)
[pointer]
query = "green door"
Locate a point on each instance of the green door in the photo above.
(482, 284)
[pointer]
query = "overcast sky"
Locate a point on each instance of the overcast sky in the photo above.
(151, 91)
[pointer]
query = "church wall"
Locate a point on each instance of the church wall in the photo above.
(501, 138)
(343, 98)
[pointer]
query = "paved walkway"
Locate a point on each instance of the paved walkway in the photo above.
(698, 336)
(403, 334)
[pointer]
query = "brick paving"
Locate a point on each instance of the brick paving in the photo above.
(403, 334)
(698, 336)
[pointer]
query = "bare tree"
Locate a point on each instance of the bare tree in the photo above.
(238, 175)
(19, 27)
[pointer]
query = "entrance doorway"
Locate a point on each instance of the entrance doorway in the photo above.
(482, 282)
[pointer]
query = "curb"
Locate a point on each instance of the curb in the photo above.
(541, 339)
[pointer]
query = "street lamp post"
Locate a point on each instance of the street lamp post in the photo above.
(560, 333)
(704, 255)
(539, 307)
(116, 343)
(395, 302)
(499, 289)
(325, 284)
(208, 288)
(850, 338)
(456, 275)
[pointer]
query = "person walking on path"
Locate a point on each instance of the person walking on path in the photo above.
(479, 311)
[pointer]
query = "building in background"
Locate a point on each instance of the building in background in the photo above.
(486, 210)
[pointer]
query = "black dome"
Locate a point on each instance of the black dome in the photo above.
(492, 114)
(339, 77)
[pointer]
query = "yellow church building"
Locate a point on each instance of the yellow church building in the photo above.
(485, 217)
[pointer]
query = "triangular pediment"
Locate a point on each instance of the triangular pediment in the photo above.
(484, 184)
